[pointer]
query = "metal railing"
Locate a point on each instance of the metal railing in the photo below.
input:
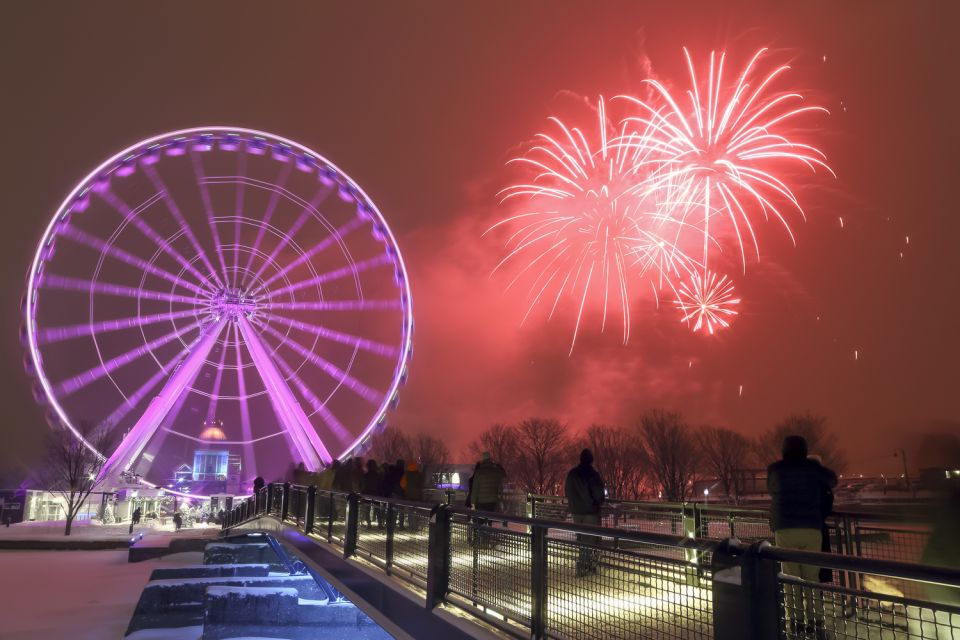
(554, 579)
(880, 535)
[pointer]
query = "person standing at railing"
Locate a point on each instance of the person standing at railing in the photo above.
(342, 472)
(585, 493)
(324, 482)
(412, 486)
(486, 487)
(797, 486)
(373, 485)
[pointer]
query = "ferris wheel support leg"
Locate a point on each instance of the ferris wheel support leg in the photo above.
(138, 437)
(311, 449)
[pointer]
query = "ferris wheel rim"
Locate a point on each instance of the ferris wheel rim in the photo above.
(111, 164)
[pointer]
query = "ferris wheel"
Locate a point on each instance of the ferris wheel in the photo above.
(218, 276)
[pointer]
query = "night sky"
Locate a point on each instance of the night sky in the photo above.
(423, 102)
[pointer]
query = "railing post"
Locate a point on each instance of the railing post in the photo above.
(762, 593)
(350, 527)
(285, 501)
(311, 507)
(269, 497)
(691, 529)
(331, 516)
(438, 556)
(391, 532)
(730, 598)
(538, 581)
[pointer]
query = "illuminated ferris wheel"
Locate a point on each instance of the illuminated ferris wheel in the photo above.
(218, 275)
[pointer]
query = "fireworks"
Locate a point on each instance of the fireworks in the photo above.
(582, 229)
(649, 200)
(706, 301)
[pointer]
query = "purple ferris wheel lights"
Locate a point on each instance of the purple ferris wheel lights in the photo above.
(145, 428)
(302, 334)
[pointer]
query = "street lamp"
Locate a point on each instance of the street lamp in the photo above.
(706, 495)
(906, 474)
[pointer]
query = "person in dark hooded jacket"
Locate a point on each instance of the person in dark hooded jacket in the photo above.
(585, 495)
(797, 486)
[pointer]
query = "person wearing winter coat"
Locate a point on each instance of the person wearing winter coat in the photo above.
(373, 486)
(798, 485)
(585, 493)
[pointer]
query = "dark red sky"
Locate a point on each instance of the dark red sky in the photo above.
(422, 102)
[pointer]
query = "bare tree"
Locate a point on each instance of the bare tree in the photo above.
(502, 442)
(727, 454)
(820, 440)
(390, 445)
(430, 451)
(71, 467)
(672, 451)
(619, 459)
(543, 455)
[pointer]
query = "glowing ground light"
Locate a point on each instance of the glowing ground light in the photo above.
(707, 302)
(218, 276)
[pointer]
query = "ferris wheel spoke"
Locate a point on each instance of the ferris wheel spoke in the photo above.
(379, 348)
(332, 370)
(208, 207)
(238, 215)
(335, 274)
(217, 380)
(248, 454)
(337, 305)
(53, 281)
(98, 244)
(294, 420)
(57, 334)
(81, 380)
(144, 460)
(268, 213)
(318, 405)
(174, 209)
(137, 396)
(178, 383)
(287, 238)
(323, 245)
(133, 216)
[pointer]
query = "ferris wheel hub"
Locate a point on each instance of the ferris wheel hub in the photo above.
(232, 302)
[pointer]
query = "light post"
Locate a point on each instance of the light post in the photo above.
(706, 495)
(906, 474)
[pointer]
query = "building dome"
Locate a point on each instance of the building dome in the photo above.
(213, 431)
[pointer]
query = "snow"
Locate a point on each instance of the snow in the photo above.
(153, 533)
(81, 595)
(222, 592)
(177, 633)
(174, 582)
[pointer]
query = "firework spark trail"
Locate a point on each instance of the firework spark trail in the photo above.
(720, 155)
(634, 203)
(707, 301)
(584, 229)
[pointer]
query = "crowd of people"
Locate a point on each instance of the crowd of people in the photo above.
(801, 500)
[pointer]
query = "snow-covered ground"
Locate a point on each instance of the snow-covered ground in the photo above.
(81, 595)
(153, 533)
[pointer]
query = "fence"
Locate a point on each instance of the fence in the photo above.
(555, 579)
(884, 536)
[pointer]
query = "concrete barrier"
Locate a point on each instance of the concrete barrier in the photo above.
(242, 606)
(230, 553)
(211, 571)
